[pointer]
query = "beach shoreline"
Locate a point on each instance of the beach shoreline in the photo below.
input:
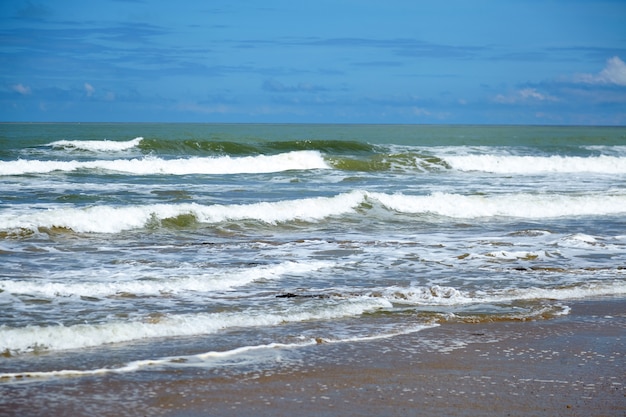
(572, 365)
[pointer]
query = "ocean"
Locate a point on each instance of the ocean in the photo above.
(153, 251)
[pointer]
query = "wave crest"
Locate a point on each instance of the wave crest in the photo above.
(96, 145)
(500, 164)
(150, 165)
(111, 219)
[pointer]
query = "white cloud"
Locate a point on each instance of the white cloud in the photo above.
(526, 95)
(426, 113)
(614, 72)
(419, 111)
(197, 108)
(21, 88)
(89, 90)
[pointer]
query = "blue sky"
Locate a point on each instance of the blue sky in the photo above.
(340, 61)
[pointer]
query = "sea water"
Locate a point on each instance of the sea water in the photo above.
(133, 248)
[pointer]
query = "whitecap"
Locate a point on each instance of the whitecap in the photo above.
(509, 164)
(97, 145)
(59, 337)
(151, 165)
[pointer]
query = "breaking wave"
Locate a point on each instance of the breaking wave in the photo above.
(113, 219)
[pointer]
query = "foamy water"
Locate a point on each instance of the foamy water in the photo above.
(176, 246)
(535, 165)
(103, 146)
(149, 165)
(114, 219)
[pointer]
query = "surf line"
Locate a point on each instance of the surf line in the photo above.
(197, 360)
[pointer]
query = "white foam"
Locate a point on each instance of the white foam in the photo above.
(510, 205)
(512, 255)
(212, 358)
(579, 240)
(236, 356)
(434, 295)
(150, 165)
(508, 164)
(61, 337)
(449, 296)
(568, 293)
(97, 145)
(180, 282)
(615, 150)
(110, 219)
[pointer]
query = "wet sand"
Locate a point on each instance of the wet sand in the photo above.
(572, 365)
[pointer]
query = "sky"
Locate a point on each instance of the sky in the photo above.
(325, 61)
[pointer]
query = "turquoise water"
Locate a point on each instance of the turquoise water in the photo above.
(128, 247)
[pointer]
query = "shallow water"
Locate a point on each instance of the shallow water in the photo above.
(127, 247)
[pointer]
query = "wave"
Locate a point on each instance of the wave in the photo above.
(502, 164)
(215, 146)
(150, 165)
(224, 147)
(215, 358)
(59, 337)
(534, 206)
(113, 219)
(236, 356)
(480, 159)
(426, 161)
(198, 282)
(110, 219)
(181, 157)
(616, 150)
(397, 162)
(96, 145)
(450, 296)
(84, 335)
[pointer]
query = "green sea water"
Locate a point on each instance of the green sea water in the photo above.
(229, 247)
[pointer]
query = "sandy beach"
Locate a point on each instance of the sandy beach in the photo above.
(571, 365)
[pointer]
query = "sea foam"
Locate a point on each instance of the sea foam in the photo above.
(521, 205)
(96, 145)
(112, 219)
(212, 359)
(508, 164)
(178, 283)
(151, 165)
(78, 336)
(449, 296)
